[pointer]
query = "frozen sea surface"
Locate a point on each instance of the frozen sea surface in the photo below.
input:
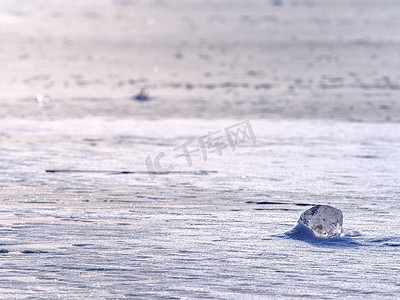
(217, 235)
(320, 83)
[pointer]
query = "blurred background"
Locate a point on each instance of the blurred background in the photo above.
(290, 59)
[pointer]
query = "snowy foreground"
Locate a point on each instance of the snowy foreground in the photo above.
(217, 235)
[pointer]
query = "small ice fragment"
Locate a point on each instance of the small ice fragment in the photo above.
(41, 98)
(324, 220)
(142, 95)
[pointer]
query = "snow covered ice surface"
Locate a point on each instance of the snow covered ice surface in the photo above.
(221, 235)
(319, 81)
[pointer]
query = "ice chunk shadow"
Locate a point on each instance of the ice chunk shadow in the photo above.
(385, 242)
(303, 233)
